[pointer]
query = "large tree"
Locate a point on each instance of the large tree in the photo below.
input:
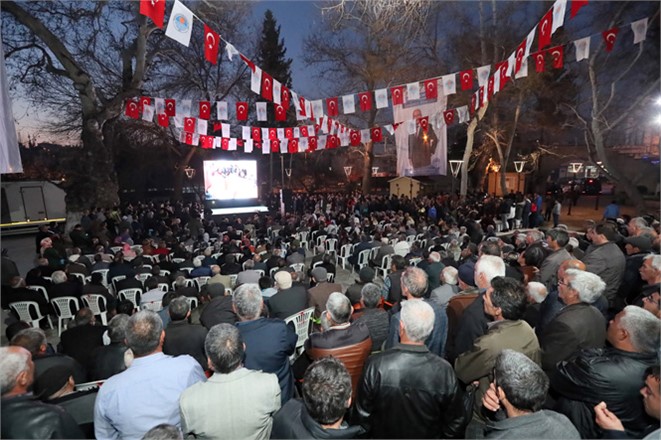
(80, 61)
(365, 45)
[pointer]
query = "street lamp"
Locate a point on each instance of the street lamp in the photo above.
(288, 173)
(347, 171)
(455, 167)
(190, 172)
(518, 166)
(375, 171)
(574, 167)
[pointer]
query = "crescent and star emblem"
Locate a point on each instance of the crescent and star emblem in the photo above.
(242, 108)
(212, 43)
(555, 54)
(610, 37)
(267, 83)
(153, 2)
(544, 24)
(132, 106)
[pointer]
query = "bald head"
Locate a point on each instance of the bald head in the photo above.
(570, 264)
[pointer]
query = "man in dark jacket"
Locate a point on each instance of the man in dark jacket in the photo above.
(269, 342)
(22, 415)
(219, 309)
(291, 298)
(612, 375)
(182, 337)
(326, 397)
(605, 259)
(408, 392)
(578, 325)
(637, 248)
(79, 341)
(108, 360)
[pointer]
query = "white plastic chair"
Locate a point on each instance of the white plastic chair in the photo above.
(104, 276)
(164, 287)
(131, 295)
(142, 277)
(40, 289)
(384, 269)
(303, 239)
(363, 258)
(373, 252)
(114, 280)
(233, 279)
(298, 267)
(63, 310)
(200, 281)
(164, 273)
(260, 272)
(301, 322)
(331, 245)
(80, 277)
(180, 260)
(415, 261)
(187, 282)
(94, 301)
(273, 271)
(330, 277)
(192, 302)
(345, 253)
(320, 240)
(116, 249)
(22, 309)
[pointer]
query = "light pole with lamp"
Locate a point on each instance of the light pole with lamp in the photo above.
(518, 166)
(574, 167)
(455, 167)
(375, 171)
(347, 171)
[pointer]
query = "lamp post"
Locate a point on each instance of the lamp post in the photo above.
(574, 167)
(375, 171)
(190, 172)
(518, 166)
(288, 173)
(455, 167)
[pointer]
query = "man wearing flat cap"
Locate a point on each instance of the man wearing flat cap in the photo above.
(366, 275)
(318, 295)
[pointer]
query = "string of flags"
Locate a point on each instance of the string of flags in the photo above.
(334, 133)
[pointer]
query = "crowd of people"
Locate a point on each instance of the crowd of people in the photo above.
(451, 328)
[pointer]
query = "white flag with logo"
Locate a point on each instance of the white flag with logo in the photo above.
(147, 113)
(247, 145)
(462, 112)
(256, 80)
(639, 29)
(559, 8)
(159, 106)
(582, 48)
(381, 98)
(321, 142)
(261, 111)
(221, 110)
(449, 84)
(348, 104)
(184, 107)
(483, 75)
(413, 90)
(318, 108)
(231, 51)
(245, 132)
(523, 70)
(529, 40)
(231, 145)
(266, 147)
(180, 25)
(277, 92)
(225, 130)
(202, 126)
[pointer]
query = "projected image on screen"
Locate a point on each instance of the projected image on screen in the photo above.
(230, 179)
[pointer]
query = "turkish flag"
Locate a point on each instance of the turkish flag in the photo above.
(249, 63)
(289, 133)
(449, 116)
(189, 125)
(242, 111)
(576, 5)
(142, 102)
(365, 100)
(292, 146)
(163, 120)
(189, 138)
(285, 97)
(431, 88)
(312, 143)
(301, 103)
(539, 61)
(490, 86)
(609, 38)
(217, 126)
(225, 144)
(280, 113)
(304, 131)
(466, 79)
(256, 134)
(203, 141)
(520, 54)
(154, 9)
(354, 137)
(273, 134)
(211, 42)
(376, 134)
(557, 53)
(332, 107)
(501, 68)
(205, 110)
(132, 109)
(397, 95)
(424, 123)
(545, 29)
(171, 107)
(267, 86)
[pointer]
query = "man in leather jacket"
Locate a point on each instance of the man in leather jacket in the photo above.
(407, 391)
(23, 416)
(326, 397)
(612, 375)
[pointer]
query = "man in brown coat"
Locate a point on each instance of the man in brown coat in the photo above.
(318, 295)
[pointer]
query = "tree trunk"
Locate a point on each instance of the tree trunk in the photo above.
(470, 139)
